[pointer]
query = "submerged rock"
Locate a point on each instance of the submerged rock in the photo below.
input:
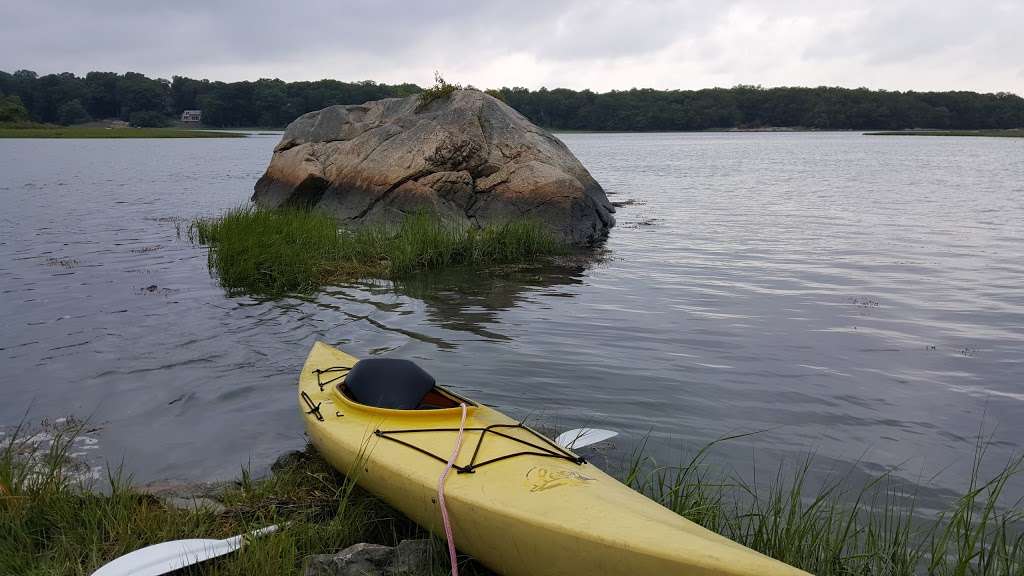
(467, 157)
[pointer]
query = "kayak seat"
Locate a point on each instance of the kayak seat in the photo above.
(436, 400)
(388, 383)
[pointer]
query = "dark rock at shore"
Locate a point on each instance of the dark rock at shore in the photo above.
(467, 157)
(289, 460)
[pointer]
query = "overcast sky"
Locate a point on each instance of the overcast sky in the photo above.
(602, 45)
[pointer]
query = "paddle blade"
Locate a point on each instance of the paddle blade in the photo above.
(170, 556)
(167, 556)
(580, 437)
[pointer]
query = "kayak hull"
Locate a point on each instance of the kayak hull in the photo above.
(525, 515)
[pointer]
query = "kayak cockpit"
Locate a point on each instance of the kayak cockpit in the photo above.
(393, 384)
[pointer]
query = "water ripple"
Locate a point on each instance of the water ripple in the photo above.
(861, 298)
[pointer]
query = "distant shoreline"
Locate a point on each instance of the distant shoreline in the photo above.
(73, 132)
(119, 133)
(1018, 133)
(58, 99)
(764, 130)
(1009, 133)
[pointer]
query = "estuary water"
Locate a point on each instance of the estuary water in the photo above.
(859, 298)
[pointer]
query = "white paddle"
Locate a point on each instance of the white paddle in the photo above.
(580, 437)
(169, 556)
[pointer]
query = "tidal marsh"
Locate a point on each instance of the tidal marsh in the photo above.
(277, 252)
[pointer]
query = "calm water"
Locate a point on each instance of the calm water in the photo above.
(858, 297)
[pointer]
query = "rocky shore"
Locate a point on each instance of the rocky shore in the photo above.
(406, 557)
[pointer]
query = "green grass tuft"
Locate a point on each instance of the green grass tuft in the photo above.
(278, 252)
(440, 89)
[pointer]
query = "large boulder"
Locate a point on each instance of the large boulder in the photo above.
(467, 157)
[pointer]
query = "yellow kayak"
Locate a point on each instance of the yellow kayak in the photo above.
(518, 503)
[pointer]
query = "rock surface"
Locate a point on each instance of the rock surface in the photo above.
(467, 157)
(358, 560)
(409, 558)
(195, 504)
(412, 558)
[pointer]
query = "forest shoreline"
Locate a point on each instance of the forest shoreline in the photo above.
(93, 132)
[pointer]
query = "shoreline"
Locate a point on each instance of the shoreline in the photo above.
(71, 132)
(1016, 133)
(59, 523)
(112, 133)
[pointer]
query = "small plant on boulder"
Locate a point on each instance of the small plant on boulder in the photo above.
(440, 89)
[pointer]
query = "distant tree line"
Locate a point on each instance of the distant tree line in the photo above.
(69, 99)
(825, 108)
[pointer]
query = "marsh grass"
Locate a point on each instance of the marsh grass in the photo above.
(843, 529)
(52, 522)
(278, 252)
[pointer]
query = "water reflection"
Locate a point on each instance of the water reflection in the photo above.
(454, 301)
(473, 301)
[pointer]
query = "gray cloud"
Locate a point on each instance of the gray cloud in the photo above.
(897, 44)
(901, 31)
(625, 29)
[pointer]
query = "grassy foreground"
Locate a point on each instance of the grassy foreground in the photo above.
(277, 252)
(1018, 133)
(51, 523)
(73, 132)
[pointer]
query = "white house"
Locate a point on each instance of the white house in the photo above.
(192, 116)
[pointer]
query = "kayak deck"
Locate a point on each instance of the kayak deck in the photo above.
(521, 505)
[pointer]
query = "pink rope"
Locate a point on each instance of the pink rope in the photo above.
(440, 493)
